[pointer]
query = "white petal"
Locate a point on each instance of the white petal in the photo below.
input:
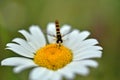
(51, 39)
(72, 37)
(76, 37)
(44, 74)
(80, 37)
(86, 48)
(35, 38)
(83, 35)
(47, 76)
(38, 73)
(19, 50)
(88, 42)
(56, 76)
(51, 33)
(88, 54)
(67, 72)
(90, 63)
(65, 29)
(20, 68)
(38, 36)
(81, 70)
(51, 29)
(29, 39)
(85, 43)
(16, 61)
(19, 63)
(78, 68)
(24, 44)
(81, 67)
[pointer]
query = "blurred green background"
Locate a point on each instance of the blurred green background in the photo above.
(100, 17)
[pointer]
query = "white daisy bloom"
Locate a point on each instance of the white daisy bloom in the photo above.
(51, 61)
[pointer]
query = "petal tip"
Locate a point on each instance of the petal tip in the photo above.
(3, 62)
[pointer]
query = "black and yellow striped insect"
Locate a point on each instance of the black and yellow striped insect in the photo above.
(58, 34)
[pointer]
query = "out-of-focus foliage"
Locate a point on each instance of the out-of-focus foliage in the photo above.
(101, 17)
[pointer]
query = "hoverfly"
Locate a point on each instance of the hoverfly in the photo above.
(58, 36)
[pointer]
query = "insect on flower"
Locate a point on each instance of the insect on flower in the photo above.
(60, 55)
(58, 36)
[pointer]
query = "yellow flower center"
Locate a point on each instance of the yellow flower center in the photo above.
(53, 56)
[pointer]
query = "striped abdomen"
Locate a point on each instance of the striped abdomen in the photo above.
(58, 34)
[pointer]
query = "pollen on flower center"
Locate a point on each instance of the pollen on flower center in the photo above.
(53, 56)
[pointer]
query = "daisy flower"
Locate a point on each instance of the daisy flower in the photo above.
(63, 54)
